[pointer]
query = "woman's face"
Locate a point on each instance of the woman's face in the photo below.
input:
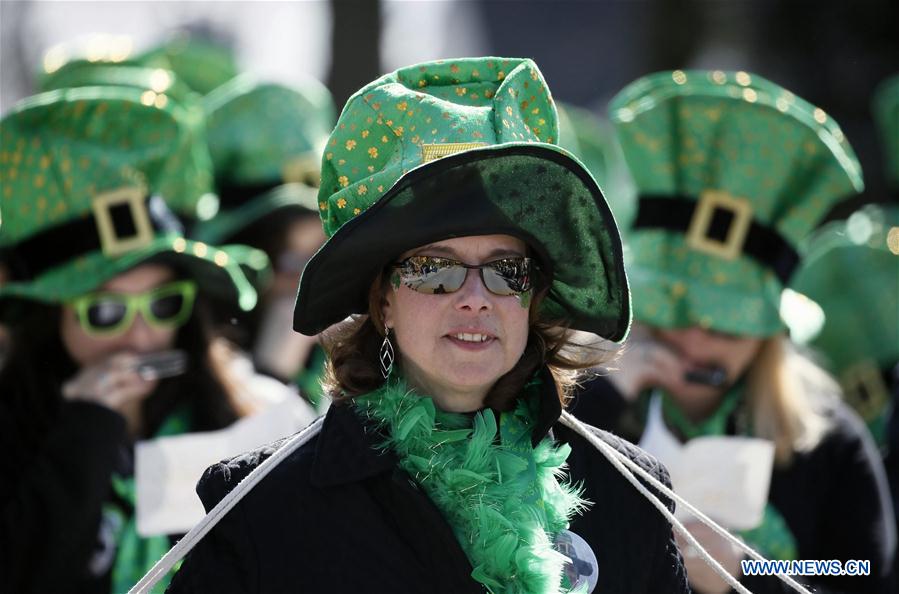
(138, 338)
(439, 337)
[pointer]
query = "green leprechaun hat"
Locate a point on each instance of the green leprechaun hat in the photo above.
(266, 142)
(85, 176)
(456, 148)
(886, 114)
(203, 64)
(161, 88)
(732, 171)
(851, 269)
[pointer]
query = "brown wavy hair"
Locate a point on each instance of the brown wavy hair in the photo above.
(353, 366)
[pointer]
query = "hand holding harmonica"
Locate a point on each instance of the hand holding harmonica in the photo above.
(119, 380)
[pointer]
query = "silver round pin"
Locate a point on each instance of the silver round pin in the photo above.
(581, 569)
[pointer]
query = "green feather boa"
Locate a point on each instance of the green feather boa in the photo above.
(504, 500)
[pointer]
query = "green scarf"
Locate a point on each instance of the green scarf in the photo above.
(503, 499)
(772, 538)
(715, 424)
(135, 554)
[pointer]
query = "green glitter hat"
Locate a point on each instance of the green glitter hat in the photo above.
(851, 270)
(266, 141)
(85, 176)
(732, 171)
(159, 87)
(456, 148)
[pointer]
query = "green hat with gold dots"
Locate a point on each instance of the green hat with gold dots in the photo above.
(851, 270)
(86, 174)
(266, 141)
(456, 148)
(886, 114)
(160, 88)
(732, 172)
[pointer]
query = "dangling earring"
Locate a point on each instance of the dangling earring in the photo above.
(385, 354)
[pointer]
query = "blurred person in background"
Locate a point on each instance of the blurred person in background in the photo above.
(859, 339)
(111, 339)
(860, 344)
(460, 235)
(732, 172)
(266, 142)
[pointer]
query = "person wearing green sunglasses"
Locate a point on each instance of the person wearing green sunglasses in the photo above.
(111, 337)
(109, 314)
(106, 332)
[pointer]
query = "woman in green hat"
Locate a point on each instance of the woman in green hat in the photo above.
(464, 245)
(860, 347)
(732, 172)
(110, 336)
(265, 140)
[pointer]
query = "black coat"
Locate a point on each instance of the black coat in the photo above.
(338, 516)
(833, 498)
(51, 497)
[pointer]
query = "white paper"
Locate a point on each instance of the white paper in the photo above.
(167, 469)
(725, 477)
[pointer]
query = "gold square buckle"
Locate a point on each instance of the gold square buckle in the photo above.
(111, 243)
(697, 234)
(865, 389)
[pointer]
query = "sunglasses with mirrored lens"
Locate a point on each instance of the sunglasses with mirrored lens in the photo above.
(110, 314)
(435, 276)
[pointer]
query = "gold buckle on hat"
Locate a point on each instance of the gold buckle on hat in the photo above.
(865, 389)
(110, 241)
(432, 152)
(697, 234)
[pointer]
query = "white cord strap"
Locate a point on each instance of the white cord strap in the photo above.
(625, 465)
(183, 546)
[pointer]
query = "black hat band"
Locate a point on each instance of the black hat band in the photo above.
(722, 229)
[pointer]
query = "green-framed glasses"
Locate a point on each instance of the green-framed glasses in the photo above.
(109, 314)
